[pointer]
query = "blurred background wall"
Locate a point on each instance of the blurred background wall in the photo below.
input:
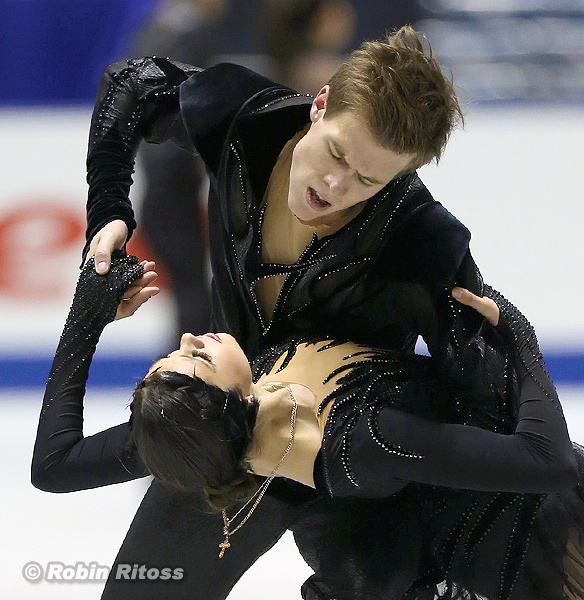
(513, 176)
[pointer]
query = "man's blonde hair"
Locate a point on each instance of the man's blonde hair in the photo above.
(398, 88)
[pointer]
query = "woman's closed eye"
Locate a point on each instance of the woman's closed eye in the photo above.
(204, 356)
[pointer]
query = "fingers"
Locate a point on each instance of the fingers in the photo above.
(485, 306)
(103, 259)
(111, 236)
(149, 265)
(139, 292)
(129, 306)
(149, 276)
(464, 296)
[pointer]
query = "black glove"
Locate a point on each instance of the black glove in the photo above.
(94, 305)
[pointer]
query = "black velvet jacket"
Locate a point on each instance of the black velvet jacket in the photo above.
(383, 279)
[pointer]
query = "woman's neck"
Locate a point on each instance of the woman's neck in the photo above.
(272, 432)
(307, 374)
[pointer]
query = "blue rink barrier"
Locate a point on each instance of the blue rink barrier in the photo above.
(565, 369)
(104, 372)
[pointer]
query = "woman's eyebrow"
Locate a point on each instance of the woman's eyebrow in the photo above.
(203, 356)
(207, 360)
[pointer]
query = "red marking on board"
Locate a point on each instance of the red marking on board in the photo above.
(34, 239)
(40, 251)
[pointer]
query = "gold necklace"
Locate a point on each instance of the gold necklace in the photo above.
(259, 494)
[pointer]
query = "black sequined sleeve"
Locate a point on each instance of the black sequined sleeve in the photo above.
(63, 460)
(137, 99)
(425, 256)
(452, 330)
(388, 445)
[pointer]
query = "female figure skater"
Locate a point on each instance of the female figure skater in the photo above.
(348, 420)
(319, 225)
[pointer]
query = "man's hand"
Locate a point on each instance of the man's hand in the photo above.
(484, 305)
(109, 238)
(138, 292)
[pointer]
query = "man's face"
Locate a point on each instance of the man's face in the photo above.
(338, 164)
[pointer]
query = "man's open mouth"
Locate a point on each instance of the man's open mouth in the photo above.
(316, 200)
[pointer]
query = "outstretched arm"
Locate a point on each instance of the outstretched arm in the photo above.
(136, 100)
(388, 445)
(64, 460)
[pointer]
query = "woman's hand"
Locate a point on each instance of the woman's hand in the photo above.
(484, 305)
(139, 292)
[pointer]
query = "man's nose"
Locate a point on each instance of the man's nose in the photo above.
(336, 182)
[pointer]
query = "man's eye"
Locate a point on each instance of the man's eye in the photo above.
(334, 153)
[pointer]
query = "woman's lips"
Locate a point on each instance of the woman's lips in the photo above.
(315, 200)
(214, 336)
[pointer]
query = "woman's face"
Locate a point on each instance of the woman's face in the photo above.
(216, 358)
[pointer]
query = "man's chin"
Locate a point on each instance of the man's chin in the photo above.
(313, 220)
(291, 208)
(327, 219)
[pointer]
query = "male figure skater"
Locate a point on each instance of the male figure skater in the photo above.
(318, 223)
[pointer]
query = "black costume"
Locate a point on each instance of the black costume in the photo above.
(381, 280)
(171, 217)
(387, 427)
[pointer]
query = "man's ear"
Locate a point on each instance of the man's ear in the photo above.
(319, 104)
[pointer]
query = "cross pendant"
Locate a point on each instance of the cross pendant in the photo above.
(224, 545)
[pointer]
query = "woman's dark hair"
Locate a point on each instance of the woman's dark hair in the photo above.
(193, 436)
